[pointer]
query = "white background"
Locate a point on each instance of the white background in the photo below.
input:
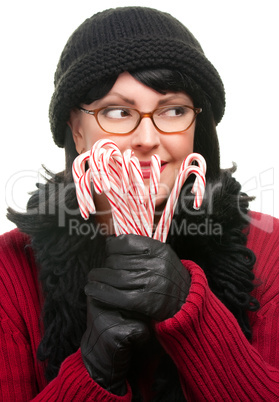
(239, 37)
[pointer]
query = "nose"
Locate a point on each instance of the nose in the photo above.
(146, 137)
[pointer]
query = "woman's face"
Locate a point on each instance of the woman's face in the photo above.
(146, 140)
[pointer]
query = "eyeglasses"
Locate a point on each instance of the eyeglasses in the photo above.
(124, 120)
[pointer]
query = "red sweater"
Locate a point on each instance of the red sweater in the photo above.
(214, 359)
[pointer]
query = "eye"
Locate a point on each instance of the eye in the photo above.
(116, 113)
(173, 111)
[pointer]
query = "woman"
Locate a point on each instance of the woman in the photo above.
(195, 319)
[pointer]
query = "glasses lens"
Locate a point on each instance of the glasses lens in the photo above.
(118, 120)
(173, 119)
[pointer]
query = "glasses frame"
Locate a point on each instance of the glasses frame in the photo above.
(142, 115)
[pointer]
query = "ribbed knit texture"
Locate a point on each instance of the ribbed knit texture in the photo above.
(214, 359)
(21, 375)
(127, 39)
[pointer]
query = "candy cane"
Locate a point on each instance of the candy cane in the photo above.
(167, 215)
(82, 180)
(94, 161)
(138, 193)
(155, 167)
(120, 178)
(115, 196)
(106, 164)
(129, 191)
(197, 186)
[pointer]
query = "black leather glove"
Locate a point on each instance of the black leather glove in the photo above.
(107, 346)
(142, 276)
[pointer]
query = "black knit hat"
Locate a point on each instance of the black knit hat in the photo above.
(127, 39)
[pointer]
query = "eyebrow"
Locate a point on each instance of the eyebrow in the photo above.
(127, 100)
(165, 100)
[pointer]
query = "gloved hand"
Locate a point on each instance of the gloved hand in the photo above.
(142, 276)
(107, 346)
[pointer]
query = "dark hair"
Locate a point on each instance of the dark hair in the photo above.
(163, 80)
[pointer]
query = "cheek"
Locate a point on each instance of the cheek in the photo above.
(93, 133)
(181, 146)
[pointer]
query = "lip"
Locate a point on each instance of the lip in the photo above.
(146, 170)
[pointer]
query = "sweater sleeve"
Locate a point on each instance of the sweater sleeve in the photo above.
(214, 359)
(21, 374)
(73, 383)
(19, 379)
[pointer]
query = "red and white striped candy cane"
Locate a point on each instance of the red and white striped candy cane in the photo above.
(162, 229)
(120, 208)
(120, 178)
(82, 181)
(198, 187)
(129, 192)
(105, 162)
(155, 171)
(100, 147)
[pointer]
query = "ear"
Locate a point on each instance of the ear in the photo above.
(74, 123)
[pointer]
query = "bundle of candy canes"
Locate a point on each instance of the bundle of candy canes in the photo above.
(119, 176)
